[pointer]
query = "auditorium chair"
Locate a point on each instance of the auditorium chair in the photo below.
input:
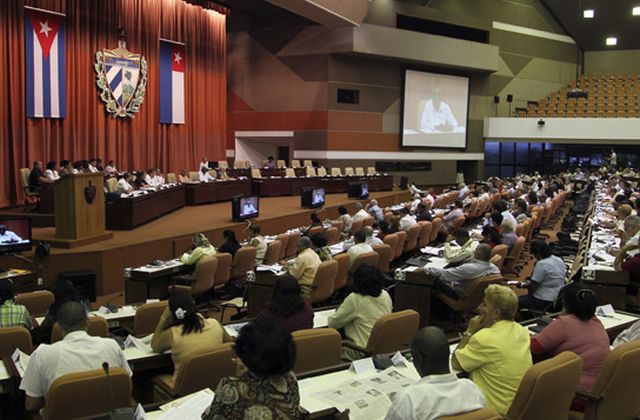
(24, 174)
(390, 333)
(425, 234)
(314, 230)
(272, 255)
(513, 258)
(12, 338)
(316, 348)
(171, 178)
(223, 271)
(36, 302)
(359, 171)
(343, 271)
(295, 163)
(255, 173)
(284, 240)
(402, 238)
(289, 173)
(392, 240)
(547, 389)
(223, 164)
(436, 225)
(472, 295)
(348, 171)
(199, 370)
(193, 176)
(307, 163)
(321, 171)
(371, 170)
(280, 163)
(370, 258)
(111, 184)
(502, 251)
(84, 394)
(213, 173)
(310, 171)
(292, 245)
(614, 395)
(338, 224)
(356, 225)
(243, 261)
(385, 255)
(96, 327)
(497, 260)
(332, 235)
(368, 221)
(200, 281)
(324, 281)
(411, 242)
(336, 172)
(457, 224)
(238, 164)
(481, 414)
(147, 317)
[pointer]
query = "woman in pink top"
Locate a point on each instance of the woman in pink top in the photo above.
(577, 330)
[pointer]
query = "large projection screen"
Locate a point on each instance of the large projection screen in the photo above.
(435, 110)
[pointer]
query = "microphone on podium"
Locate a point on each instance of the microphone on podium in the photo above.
(125, 413)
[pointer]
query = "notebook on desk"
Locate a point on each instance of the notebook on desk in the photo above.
(418, 261)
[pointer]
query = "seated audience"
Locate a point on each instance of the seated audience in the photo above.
(361, 213)
(578, 330)
(139, 183)
(439, 392)
(123, 186)
(288, 306)
(361, 308)
(183, 330)
(507, 235)
(205, 176)
(519, 210)
(449, 220)
(495, 349)
(270, 163)
(64, 291)
(99, 165)
(407, 221)
(452, 281)
(91, 166)
(394, 224)
(490, 236)
(66, 168)
(222, 175)
(303, 268)
(267, 389)
(374, 210)
(111, 169)
(502, 207)
(51, 172)
(629, 241)
(76, 352)
(371, 240)
(204, 163)
(315, 221)
(184, 177)
(12, 314)
(258, 242)
(230, 244)
(384, 230)
(359, 246)
(465, 249)
(200, 247)
(345, 218)
(416, 200)
(548, 277)
(422, 213)
(319, 243)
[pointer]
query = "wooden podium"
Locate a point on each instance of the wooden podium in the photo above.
(79, 210)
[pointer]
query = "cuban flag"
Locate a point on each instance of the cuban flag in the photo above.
(171, 83)
(46, 90)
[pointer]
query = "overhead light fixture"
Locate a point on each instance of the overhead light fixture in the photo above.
(635, 11)
(588, 13)
(612, 40)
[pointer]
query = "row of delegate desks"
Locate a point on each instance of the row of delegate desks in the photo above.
(277, 186)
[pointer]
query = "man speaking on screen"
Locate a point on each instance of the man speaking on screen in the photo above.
(437, 116)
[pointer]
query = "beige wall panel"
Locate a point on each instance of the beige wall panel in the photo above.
(533, 46)
(612, 62)
(549, 71)
(372, 98)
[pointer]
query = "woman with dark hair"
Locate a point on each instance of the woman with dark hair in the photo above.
(578, 330)
(319, 242)
(288, 306)
(183, 330)
(384, 229)
(231, 244)
(315, 221)
(64, 291)
(490, 236)
(51, 170)
(12, 314)
(268, 389)
(362, 308)
(547, 279)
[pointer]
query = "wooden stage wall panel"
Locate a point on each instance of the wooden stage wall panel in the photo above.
(169, 236)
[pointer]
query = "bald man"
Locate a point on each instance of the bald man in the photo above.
(439, 392)
(437, 116)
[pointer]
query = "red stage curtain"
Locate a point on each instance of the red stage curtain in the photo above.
(88, 130)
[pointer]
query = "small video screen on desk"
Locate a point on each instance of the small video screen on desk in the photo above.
(312, 198)
(15, 235)
(358, 190)
(435, 110)
(243, 208)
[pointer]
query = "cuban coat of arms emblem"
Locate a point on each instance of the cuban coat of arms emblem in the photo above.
(121, 77)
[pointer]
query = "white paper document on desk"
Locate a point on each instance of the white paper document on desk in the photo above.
(21, 361)
(366, 399)
(190, 408)
(275, 268)
(143, 344)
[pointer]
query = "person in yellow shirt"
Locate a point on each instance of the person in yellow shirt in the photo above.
(303, 268)
(200, 248)
(495, 349)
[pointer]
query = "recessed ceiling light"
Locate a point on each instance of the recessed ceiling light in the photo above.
(588, 13)
(612, 40)
(635, 11)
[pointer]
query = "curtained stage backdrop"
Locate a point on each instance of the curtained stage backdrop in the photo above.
(88, 129)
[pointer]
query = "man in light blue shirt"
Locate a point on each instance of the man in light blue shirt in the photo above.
(549, 276)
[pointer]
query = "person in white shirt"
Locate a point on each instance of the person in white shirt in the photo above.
(439, 392)
(123, 185)
(77, 352)
(374, 209)
(437, 116)
(259, 242)
(359, 247)
(111, 169)
(8, 236)
(248, 208)
(463, 191)
(371, 240)
(204, 164)
(204, 175)
(150, 179)
(361, 213)
(417, 199)
(158, 179)
(50, 171)
(92, 166)
(407, 220)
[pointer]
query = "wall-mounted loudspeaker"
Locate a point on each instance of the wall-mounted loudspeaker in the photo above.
(496, 99)
(509, 98)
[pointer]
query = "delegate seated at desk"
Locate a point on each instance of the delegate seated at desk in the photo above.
(437, 116)
(8, 236)
(12, 314)
(464, 251)
(303, 268)
(439, 393)
(205, 176)
(77, 352)
(200, 248)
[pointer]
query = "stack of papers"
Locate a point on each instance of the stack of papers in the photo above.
(142, 344)
(188, 408)
(431, 250)
(275, 268)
